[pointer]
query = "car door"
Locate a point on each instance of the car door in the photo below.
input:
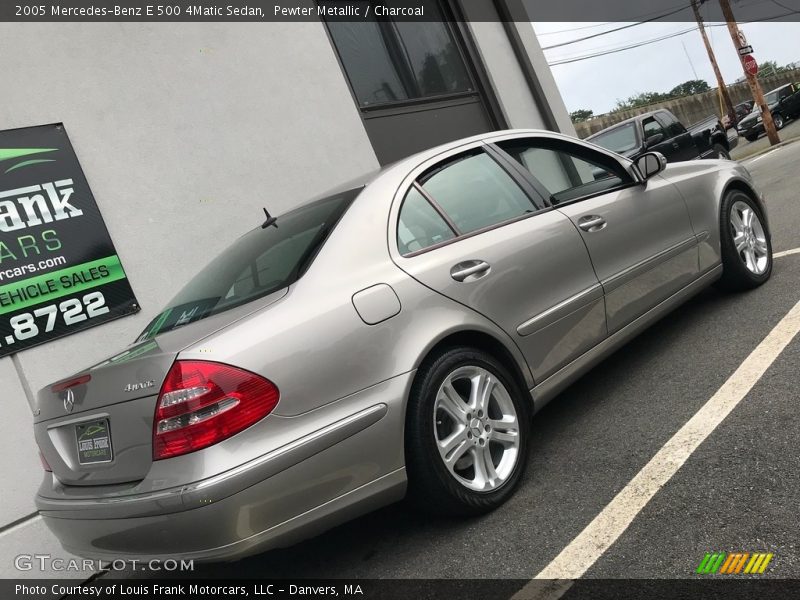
(639, 236)
(470, 228)
(681, 141)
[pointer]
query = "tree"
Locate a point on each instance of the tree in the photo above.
(641, 99)
(687, 88)
(769, 68)
(690, 88)
(583, 114)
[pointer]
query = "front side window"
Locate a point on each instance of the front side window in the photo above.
(390, 61)
(672, 126)
(565, 172)
(475, 192)
(258, 263)
(651, 128)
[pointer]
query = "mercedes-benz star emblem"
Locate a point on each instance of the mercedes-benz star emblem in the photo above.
(69, 400)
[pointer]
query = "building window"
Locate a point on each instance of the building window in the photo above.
(388, 62)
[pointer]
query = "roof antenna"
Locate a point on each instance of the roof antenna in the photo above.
(270, 220)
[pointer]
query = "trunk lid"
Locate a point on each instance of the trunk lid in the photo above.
(96, 427)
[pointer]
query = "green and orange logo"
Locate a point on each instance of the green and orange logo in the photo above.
(734, 563)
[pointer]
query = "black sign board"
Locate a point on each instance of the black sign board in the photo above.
(59, 271)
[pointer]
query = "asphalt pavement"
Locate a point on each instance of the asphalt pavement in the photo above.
(745, 149)
(737, 492)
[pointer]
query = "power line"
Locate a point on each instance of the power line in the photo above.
(629, 19)
(567, 60)
(588, 37)
(621, 49)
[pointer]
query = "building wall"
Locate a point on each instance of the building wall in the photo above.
(508, 80)
(184, 134)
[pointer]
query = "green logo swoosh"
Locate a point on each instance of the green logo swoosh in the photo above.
(15, 153)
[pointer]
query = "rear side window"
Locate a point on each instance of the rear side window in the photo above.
(475, 192)
(257, 264)
(461, 195)
(420, 226)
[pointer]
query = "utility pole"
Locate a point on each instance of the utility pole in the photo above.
(726, 98)
(755, 86)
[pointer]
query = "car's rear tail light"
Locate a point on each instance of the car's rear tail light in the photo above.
(202, 403)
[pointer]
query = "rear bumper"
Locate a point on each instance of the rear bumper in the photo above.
(350, 466)
(233, 528)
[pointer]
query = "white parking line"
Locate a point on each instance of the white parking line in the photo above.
(755, 159)
(580, 554)
(786, 253)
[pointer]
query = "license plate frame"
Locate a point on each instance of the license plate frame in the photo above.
(93, 442)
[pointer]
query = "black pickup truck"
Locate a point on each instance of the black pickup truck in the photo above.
(784, 104)
(660, 131)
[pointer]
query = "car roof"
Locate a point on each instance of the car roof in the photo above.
(394, 173)
(644, 115)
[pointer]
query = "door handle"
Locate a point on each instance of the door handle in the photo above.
(592, 223)
(470, 270)
(675, 145)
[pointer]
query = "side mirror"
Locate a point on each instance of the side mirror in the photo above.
(650, 164)
(654, 139)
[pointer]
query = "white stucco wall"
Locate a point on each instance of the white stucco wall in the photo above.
(184, 133)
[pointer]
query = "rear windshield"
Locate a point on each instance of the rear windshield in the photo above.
(620, 139)
(258, 263)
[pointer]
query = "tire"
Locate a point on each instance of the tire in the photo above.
(778, 120)
(751, 138)
(462, 489)
(750, 264)
(721, 152)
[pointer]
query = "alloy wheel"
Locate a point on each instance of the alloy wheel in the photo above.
(749, 238)
(477, 428)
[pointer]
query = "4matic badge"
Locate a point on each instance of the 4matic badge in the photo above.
(135, 387)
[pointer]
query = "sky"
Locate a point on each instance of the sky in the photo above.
(597, 83)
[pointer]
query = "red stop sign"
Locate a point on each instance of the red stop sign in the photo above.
(750, 64)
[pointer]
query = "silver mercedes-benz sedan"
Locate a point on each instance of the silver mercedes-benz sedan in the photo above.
(391, 339)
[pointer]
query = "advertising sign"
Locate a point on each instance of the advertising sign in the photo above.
(59, 271)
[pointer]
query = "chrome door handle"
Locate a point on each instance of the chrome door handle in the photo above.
(592, 223)
(470, 270)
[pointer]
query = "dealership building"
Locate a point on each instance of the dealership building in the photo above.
(186, 131)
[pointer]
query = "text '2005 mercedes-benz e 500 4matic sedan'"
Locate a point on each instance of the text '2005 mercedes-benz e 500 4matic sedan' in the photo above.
(390, 339)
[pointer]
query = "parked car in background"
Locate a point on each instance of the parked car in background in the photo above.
(393, 337)
(743, 109)
(660, 131)
(783, 103)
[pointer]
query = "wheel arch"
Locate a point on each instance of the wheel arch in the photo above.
(482, 340)
(745, 187)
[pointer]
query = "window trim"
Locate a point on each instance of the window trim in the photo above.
(506, 165)
(580, 149)
(404, 69)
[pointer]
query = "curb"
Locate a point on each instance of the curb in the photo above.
(769, 149)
